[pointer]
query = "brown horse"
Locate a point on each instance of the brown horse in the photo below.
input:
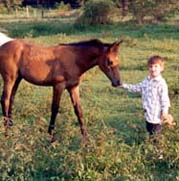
(59, 66)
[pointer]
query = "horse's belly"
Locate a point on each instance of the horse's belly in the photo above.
(36, 74)
(36, 80)
(42, 76)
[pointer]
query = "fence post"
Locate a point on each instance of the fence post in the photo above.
(16, 10)
(42, 13)
(27, 11)
(35, 13)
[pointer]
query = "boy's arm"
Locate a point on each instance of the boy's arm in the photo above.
(165, 101)
(165, 104)
(133, 87)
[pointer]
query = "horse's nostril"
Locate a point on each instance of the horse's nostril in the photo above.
(116, 83)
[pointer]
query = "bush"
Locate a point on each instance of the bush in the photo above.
(97, 12)
(3, 9)
(62, 7)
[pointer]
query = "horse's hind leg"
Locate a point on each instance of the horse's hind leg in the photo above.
(5, 100)
(57, 91)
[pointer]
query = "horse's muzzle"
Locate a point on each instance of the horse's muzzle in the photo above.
(116, 83)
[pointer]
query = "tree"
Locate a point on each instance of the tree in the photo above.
(125, 7)
(8, 5)
(96, 12)
(156, 9)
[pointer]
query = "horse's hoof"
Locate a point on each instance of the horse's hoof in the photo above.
(52, 134)
(85, 141)
(51, 130)
(8, 123)
(53, 139)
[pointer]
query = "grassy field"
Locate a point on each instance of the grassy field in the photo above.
(119, 149)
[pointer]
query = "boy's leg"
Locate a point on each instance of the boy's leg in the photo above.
(154, 131)
(155, 137)
(153, 128)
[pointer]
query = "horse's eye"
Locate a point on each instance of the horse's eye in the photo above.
(109, 62)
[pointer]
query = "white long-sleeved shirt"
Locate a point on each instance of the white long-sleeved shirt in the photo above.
(155, 97)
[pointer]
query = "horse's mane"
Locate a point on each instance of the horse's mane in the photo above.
(91, 42)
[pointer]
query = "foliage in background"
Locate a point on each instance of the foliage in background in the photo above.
(62, 6)
(156, 9)
(96, 12)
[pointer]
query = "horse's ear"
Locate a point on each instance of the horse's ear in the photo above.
(115, 46)
(118, 42)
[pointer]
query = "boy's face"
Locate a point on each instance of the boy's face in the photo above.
(155, 70)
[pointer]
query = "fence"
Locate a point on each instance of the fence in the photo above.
(38, 13)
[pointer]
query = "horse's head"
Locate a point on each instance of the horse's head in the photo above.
(109, 63)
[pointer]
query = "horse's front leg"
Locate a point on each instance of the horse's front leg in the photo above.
(57, 91)
(75, 98)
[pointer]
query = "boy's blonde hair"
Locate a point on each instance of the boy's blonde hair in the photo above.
(156, 59)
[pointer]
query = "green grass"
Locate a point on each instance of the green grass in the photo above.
(119, 148)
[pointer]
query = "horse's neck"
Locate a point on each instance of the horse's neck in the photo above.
(86, 64)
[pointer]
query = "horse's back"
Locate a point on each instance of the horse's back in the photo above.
(35, 63)
(11, 46)
(10, 50)
(10, 53)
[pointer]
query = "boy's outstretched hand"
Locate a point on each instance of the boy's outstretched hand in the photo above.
(168, 119)
(121, 86)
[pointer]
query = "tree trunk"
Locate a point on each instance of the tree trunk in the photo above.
(8, 5)
(125, 7)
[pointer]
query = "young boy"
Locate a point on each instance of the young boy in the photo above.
(155, 97)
